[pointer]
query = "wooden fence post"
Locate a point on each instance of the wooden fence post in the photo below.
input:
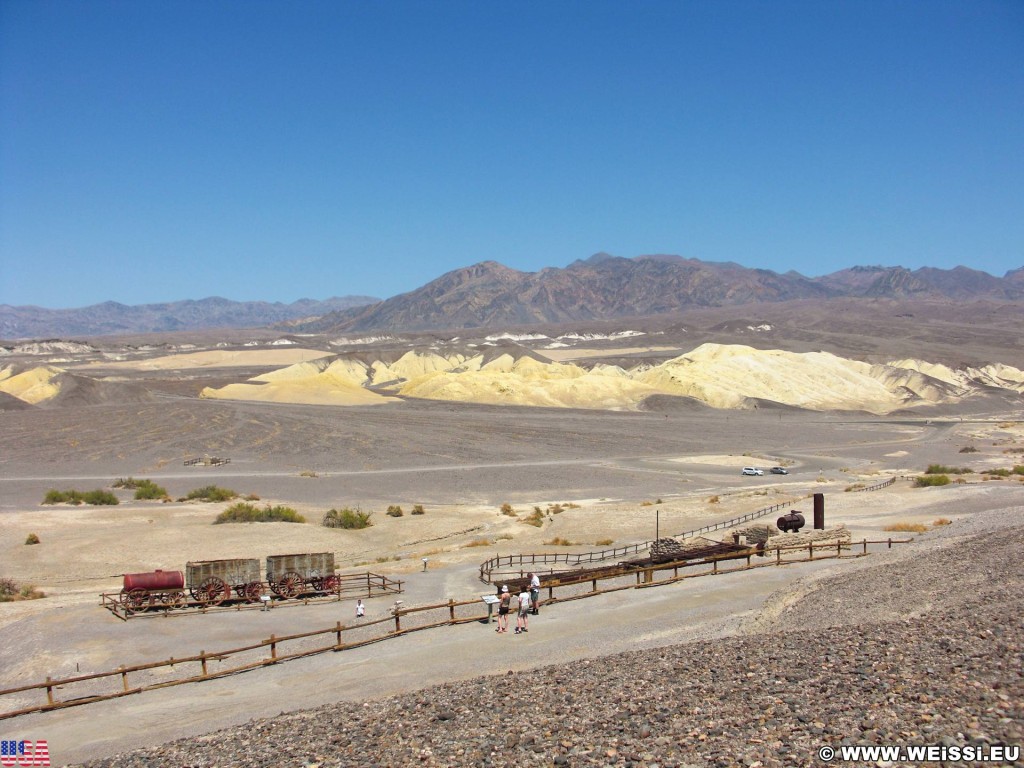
(451, 609)
(273, 646)
(202, 660)
(337, 631)
(810, 550)
(49, 690)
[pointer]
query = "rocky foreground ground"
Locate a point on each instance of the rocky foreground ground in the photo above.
(923, 648)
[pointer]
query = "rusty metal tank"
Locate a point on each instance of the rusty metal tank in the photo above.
(791, 522)
(154, 580)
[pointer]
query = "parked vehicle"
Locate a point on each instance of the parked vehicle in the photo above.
(752, 471)
(779, 471)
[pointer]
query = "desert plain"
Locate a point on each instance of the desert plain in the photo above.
(621, 473)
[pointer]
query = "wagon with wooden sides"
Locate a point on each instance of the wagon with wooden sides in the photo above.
(293, 575)
(210, 582)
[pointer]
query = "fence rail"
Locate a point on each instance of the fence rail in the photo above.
(488, 567)
(127, 680)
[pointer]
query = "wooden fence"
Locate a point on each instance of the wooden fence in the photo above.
(127, 680)
(488, 567)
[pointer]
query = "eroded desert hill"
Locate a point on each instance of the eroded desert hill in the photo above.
(721, 376)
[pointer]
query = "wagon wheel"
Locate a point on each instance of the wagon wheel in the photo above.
(171, 600)
(253, 591)
(135, 600)
(291, 585)
(317, 583)
(331, 583)
(212, 591)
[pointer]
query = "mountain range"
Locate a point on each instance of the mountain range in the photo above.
(606, 287)
(110, 318)
(489, 294)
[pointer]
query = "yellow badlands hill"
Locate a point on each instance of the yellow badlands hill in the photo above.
(721, 376)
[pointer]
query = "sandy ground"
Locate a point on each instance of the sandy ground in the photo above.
(627, 473)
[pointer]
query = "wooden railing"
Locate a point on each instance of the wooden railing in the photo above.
(549, 559)
(127, 680)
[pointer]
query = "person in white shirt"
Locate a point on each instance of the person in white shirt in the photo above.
(524, 610)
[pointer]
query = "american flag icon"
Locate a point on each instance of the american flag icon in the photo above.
(24, 753)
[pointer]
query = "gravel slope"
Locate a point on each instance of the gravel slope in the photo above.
(923, 646)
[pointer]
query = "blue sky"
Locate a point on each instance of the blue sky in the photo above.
(156, 151)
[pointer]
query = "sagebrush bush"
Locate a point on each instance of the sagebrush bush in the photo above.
(941, 469)
(506, 509)
(535, 519)
(394, 511)
(968, 449)
(32, 539)
(243, 512)
(211, 493)
(10, 591)
(418, 510)
(907, 527)
(558, 541)
(604, 542)
(147, 489)
(929, 480)
(350, 519)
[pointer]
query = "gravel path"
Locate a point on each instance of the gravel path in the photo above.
(924, 645)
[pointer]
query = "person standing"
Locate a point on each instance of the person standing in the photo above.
(503, 607)
(524, 609)
(535, 593)
(360, 610)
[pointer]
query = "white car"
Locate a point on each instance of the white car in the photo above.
(752, 471)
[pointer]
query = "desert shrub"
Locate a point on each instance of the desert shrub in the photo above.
(854, 487)
(555, 509)
(1013, 450)
(998, 472)
(243, 512)
(395, 511)
(32, 539)
(506, 509)
(604, 542)
(477, 543)
(570, 505)
(147, 489)
(417, 509)
(1018, 469)
(646, 503)
(558, 541)
(940, 469)
(929, 480)
(53, 496)
(212, 493)
(10, 591)
(942, 521)
(907, 527)
(714, 499)
(97, 497)
(658, 501)
(968, 449)
(535, 519)
(308, 473)
(100, 498)
(350, 519)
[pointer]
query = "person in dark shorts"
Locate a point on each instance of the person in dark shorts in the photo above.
(534, 594)
(503, 607)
